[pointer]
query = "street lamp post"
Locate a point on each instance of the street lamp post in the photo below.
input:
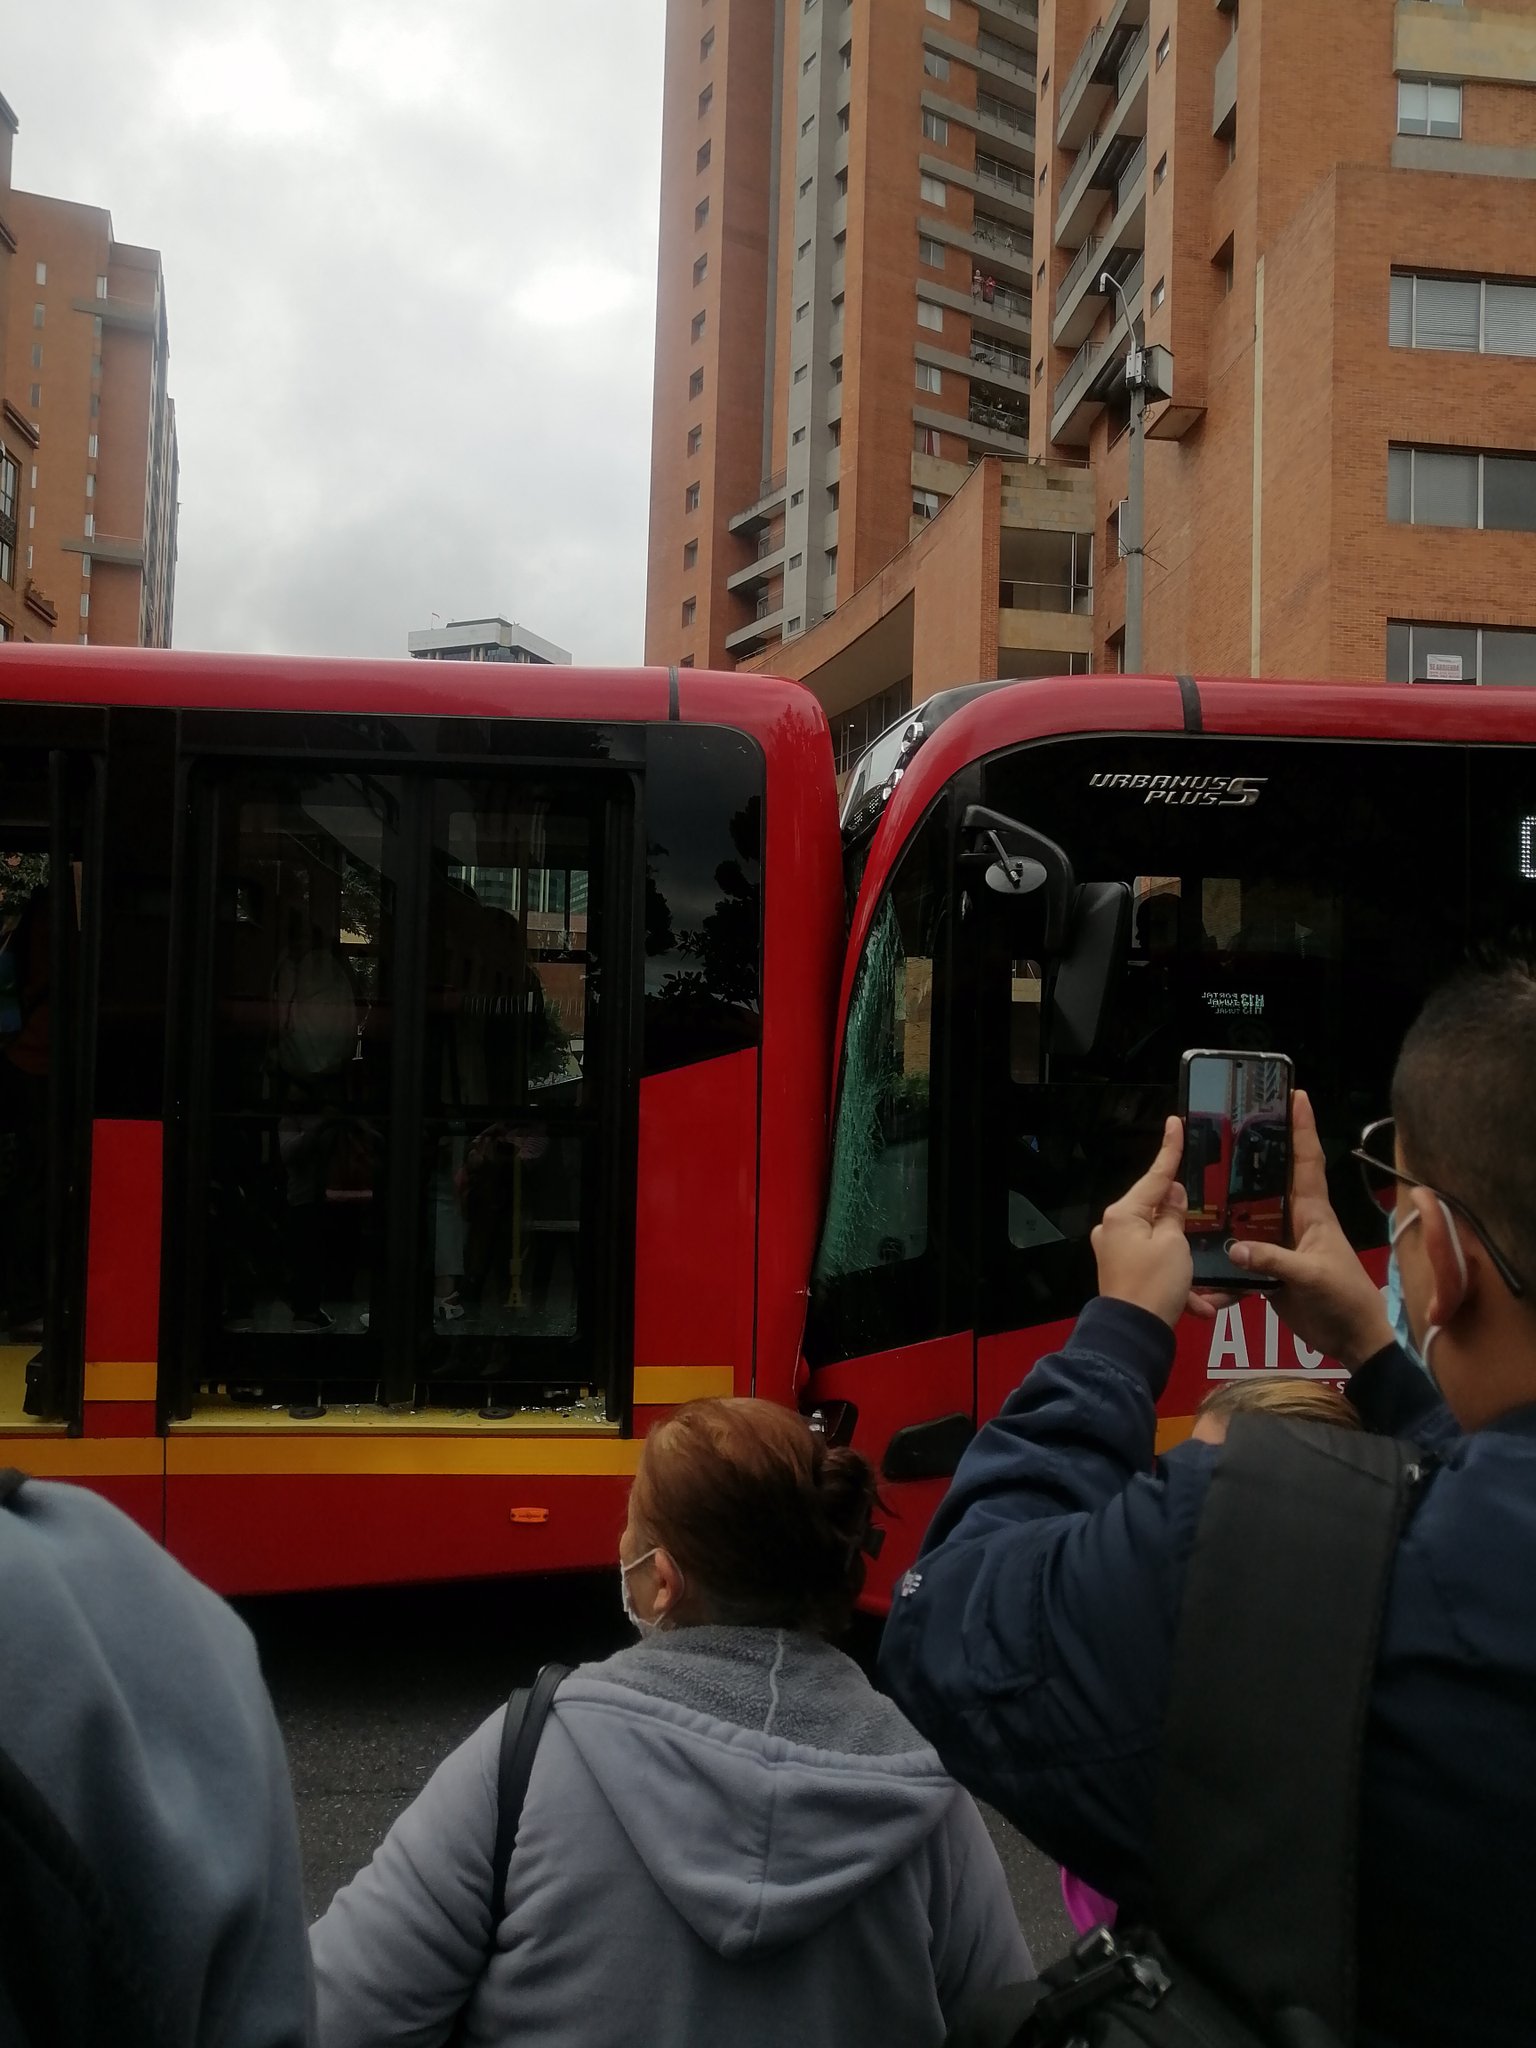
(1139, 381)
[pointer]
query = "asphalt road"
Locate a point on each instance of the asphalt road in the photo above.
(373, 1689)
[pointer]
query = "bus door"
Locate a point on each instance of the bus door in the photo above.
(49, 782)
(1304, 901)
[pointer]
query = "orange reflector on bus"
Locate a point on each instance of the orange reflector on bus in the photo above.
(530, 1514)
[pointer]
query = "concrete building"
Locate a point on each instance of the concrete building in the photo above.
(483, 640)
(26, 611)
(86, 365)
(843, 331)
(1325, 213)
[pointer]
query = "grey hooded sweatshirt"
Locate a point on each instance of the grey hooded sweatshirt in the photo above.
(135, 1726)
(729, 1837)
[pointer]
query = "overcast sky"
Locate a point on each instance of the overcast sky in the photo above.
(410, 256)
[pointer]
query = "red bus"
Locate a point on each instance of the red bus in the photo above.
(422, 1080)
(1208, 1169)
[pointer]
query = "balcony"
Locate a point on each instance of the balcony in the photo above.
(763, 570)
(1101, 161)
(1004, 125)
(1079, 300)
(1001, 245)
(1006, 186)
(994, 364)
(1224, 95)
(1019, 595)
(1013, 17)
(1090, 84)
(753, 638)
(1009, 62)
(1080, 392)
(770, 499)
(1002, 429)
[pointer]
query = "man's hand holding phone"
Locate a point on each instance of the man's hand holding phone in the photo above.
(1142, 1254)
(1321, 1289)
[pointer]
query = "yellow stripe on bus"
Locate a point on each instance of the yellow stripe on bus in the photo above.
(1173, 1429)
(268, 1454)
(663, 1386)
(84, 1457)
(113, 1381)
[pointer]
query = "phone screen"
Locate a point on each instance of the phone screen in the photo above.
(1237, 1156)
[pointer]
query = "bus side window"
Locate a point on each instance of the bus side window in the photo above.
(876, 1279)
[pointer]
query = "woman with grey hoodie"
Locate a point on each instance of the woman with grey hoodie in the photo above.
(728, 1836)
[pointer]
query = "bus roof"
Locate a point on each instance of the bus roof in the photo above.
(764, 706)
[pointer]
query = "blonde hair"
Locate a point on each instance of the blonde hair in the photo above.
(1302, 1400)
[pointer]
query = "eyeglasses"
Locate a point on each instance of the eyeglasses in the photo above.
(1377, 1157)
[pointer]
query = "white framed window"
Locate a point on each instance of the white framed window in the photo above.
(846, 53)
(930, 252)
(90, 525)
(690, 610)
(796, 498)
(37, 316)
(85, 604)
(696, 384)
(927, 441)
(690, 555)
(691, 498)
(933, 191)
(844, 120)
(940, 8)
(935, 64)
(101, 287)
(1420, 652)
(929, 377)
(42, 273)
(85, 567)
(706, 44)
(935, 127)
(1165, 44)
(697, 332)
(90, 485)
(930, 315)
(1428, 106)
(1161, 171)
(1159, 293)
(695, 440)
(1469, 314)
(925, 504)
(837, 369)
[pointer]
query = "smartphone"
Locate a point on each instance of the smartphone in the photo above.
(1236, 1108)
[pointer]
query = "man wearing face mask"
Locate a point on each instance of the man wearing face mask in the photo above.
(1032, 1643)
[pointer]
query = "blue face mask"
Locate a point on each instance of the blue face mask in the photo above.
(1397, 1308)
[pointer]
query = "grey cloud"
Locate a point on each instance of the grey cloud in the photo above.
(410, 274)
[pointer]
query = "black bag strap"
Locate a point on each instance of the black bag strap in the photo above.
(1259, 1800)
(527, 1711)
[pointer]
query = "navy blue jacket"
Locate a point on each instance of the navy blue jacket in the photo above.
(1031, 1643)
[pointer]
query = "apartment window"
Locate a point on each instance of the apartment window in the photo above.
(929, 377)
(1159, 293)
(935, 65)
(1461, 487)
(933, 190)
(101, 287)
(1419, 653)
(690, 610)
(42, 273)
(691, 498)
(85, 567)
(696, 384)
(1165, 43)
(808, 65)
(802, 309)
(686, 662)
(930, 252)
(91, 450)
(37, 316)
(95, 405)
(705, 98)
(831, 561)
(802, 252)
(701, 161)
(925, 504)
(691, 555)
(930, 315)
(90, 485)
(837, 306)
(10, 489)
(835, 433)
(796, 498)
(35, 394)
(807, 124)
(794, 624)
(940, 8)
(1161, 171)
(843, 120)
(935, 127)
(806, 185)
(797, 437)
(927, 441)
(85, 604)
(1043, 169)
(834, 496)
(837, 369)
(801, 374)
(700, 268)
(695, 440)
(697, 329)
(37, 355)
(1045, 79)
(1466, 313)
(701, 213)
(96, 328)
(795, 562)
(846, 54)
(1226, 267)
(706, 44)
(841, 184)
(92, 447)
(1040, 370)
(1428, 107)
(90, 525)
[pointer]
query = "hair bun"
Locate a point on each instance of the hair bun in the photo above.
(848, 1491)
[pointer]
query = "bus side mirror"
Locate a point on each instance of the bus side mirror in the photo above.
(1024, 867)
(1100, 940)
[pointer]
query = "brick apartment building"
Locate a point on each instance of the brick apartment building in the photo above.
(838, 180)
(1324, 212)
(1327, 213)
(88, 467)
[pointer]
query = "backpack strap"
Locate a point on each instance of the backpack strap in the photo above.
(527, 1711)
(1259, 1800)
